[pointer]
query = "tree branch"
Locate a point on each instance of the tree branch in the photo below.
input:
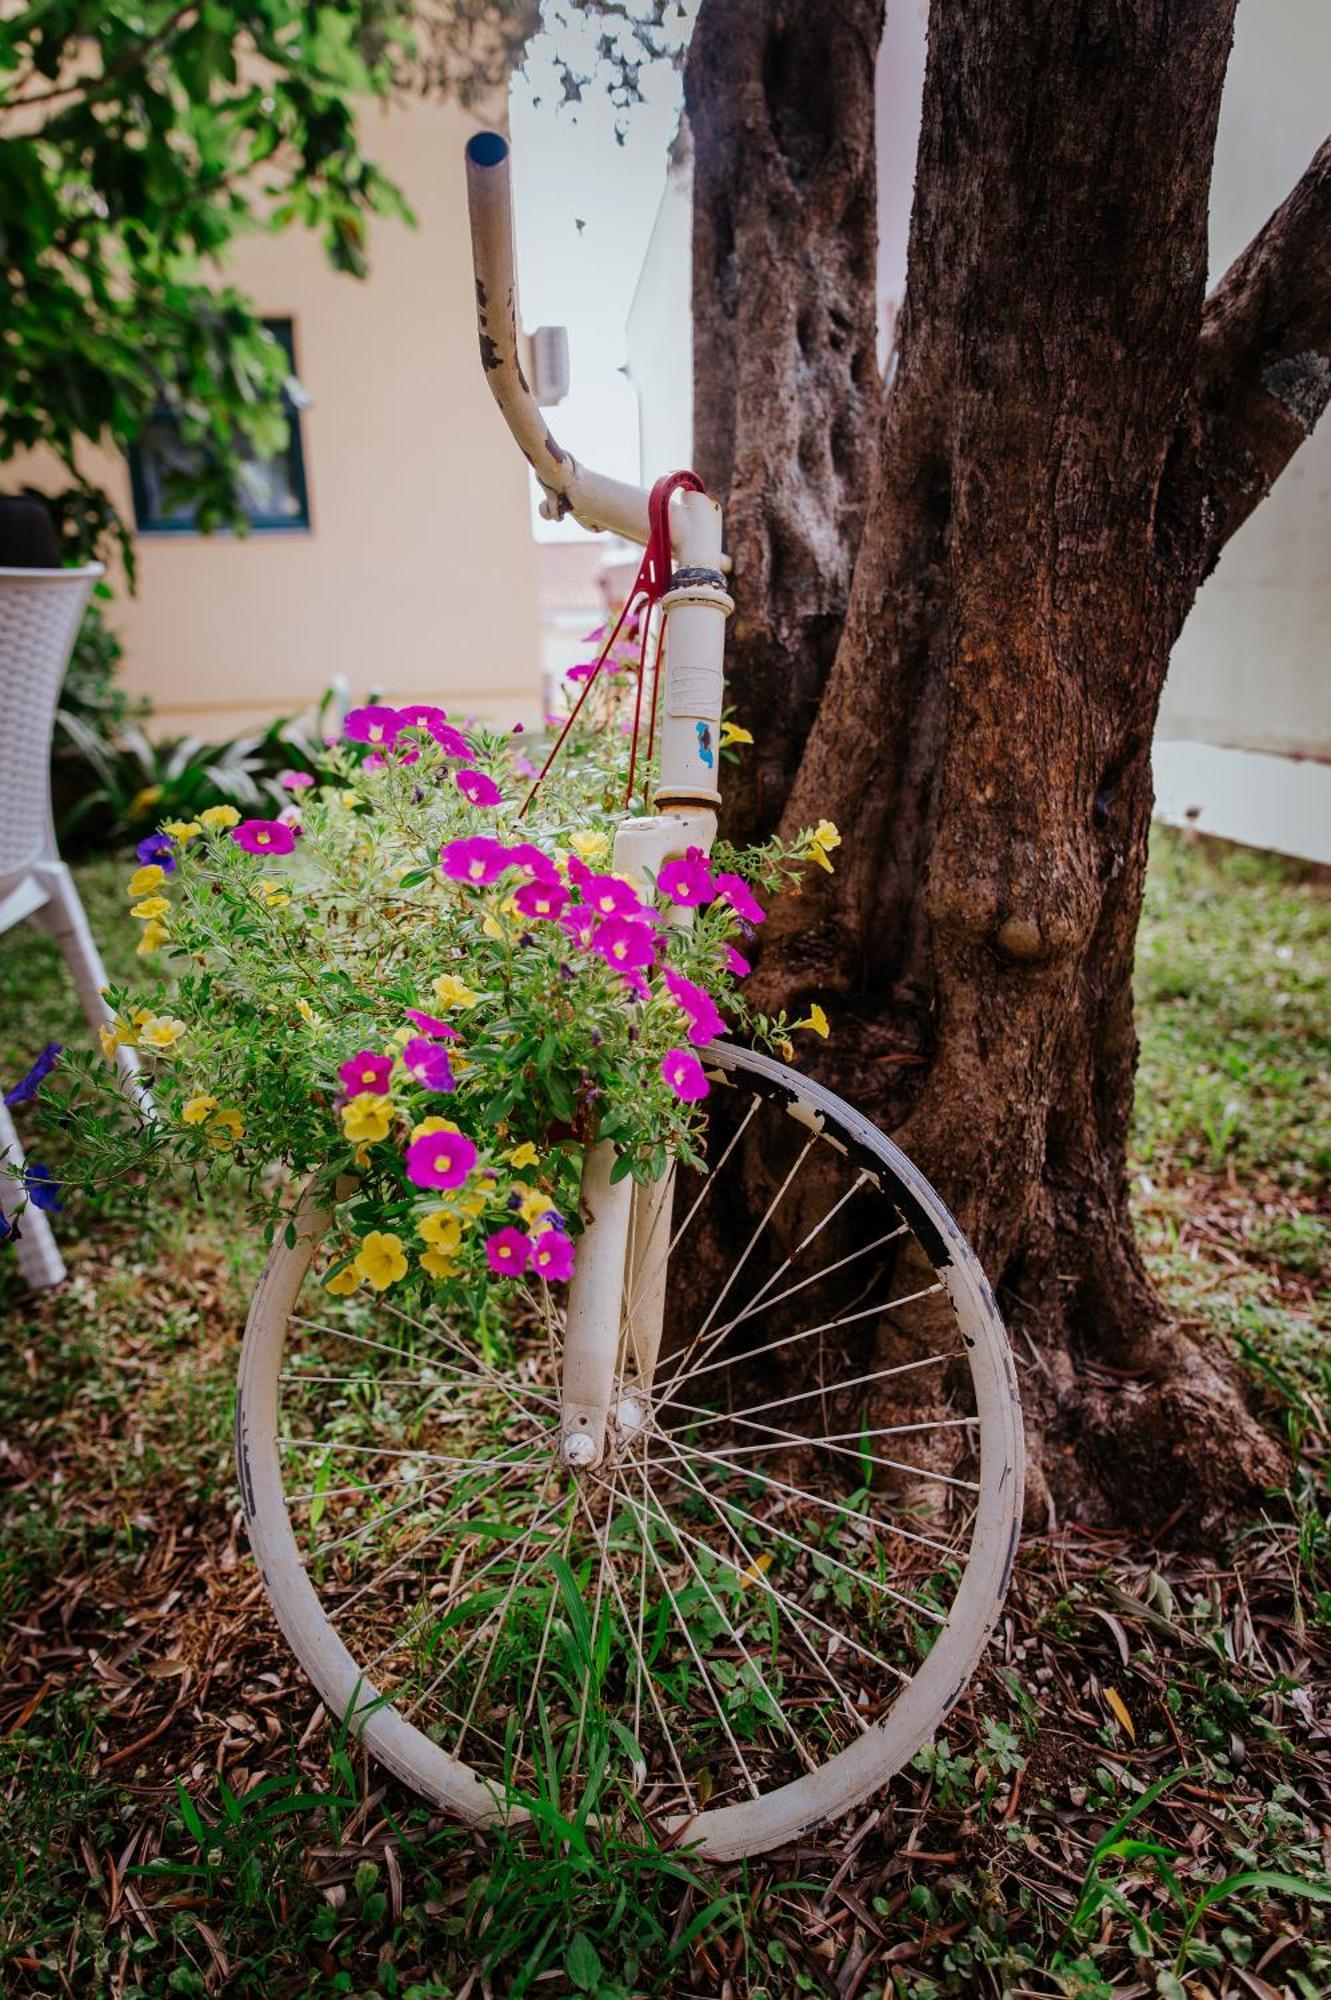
(1264, 360)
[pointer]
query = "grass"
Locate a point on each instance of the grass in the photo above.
(1131, 1800)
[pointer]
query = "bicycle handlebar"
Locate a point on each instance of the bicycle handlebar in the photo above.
(592, 498)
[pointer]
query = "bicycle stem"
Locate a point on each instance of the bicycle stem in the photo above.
(616, 1303)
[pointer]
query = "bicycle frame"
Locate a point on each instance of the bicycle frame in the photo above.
(616, 1304)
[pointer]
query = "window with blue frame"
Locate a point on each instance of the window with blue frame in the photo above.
(272, 494)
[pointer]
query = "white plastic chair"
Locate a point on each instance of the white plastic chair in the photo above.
(40, 614)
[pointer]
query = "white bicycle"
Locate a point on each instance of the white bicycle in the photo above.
(733, 1562)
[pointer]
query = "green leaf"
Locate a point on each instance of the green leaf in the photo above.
(582, 1963)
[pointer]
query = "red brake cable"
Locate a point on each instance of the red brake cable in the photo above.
(649, 587)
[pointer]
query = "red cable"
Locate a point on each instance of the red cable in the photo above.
(650, 585)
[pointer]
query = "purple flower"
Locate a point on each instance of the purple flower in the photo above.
(624, 945)
(295, 781)
(740, 897)
(430, 1024)
(375, 725)
(440, 1160)
(451, 741)
(552, 1255)
(27, 1086)
(526, 855)
(580, 922)
(705, 1023)
(479, 860)
(509, 1252)
(541, 899)
(428, 1063)
(683, 1072)
(736, 962)
(477, 788)
(366, 1071)
(422, 715)
(158, 847)
(607, 895)
(263, 836)
(41, 1187)
(688, 881)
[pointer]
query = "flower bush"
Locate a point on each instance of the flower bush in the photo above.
(426, 1005)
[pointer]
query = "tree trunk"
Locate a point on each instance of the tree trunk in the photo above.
(956, 604)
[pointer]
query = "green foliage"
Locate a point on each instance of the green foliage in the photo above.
(296, 955)
(113, 783)
(137, 141)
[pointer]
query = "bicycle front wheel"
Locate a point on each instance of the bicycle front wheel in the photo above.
(765, 1598)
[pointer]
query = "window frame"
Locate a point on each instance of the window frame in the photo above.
(282, 327)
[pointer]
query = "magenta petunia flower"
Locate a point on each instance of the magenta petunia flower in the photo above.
(295, 781)
(736, 962)
(290, 816)
(477, 788)
(608, 896)
(263, 836)
(366, 1071)
(376, 725)
(623, 944)
(580, 922)
(479, 860)
(637, 984)
(451, 741)
(440, 1160)
(541, 899)
(552, 1255)
(523, 767)
(508, 1251)
(740, 897)
(428, 1063)
(525, 854)
(689, 881)
(422, 715)
(705, 1023)
(683, 1072)
(430, 1024)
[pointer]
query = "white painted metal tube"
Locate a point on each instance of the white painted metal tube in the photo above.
(595, 1301)
(592, 498)
(696, 607)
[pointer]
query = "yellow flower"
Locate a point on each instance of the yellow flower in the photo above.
(451, 992)
(219, 816)
(533, 1204)
(492, 927)
(469, 1205)
(141, 801)
(524, 1155)
(587, 843)
(367, 1117)
(110, 1036)
(182, 829)
(145, 880)
(732, 733)
(227, 1127)
(817, 1020)
(442, 1231)
(161, 1031)
(197, 1109)
(150, 907)
(306, 1012)
(271, 893)
(154, 937)
(343, 1282)
(438, 1263)
(428, 1125)
(821, 843)
(381, 1260)
(350, 799)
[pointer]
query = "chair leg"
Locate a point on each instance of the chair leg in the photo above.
(64, 918)
(38, 1258)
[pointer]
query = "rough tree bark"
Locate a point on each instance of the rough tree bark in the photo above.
(972, 581)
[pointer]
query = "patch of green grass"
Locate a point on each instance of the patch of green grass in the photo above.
(1233, 962)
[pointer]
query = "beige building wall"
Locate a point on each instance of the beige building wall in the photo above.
(418, 575)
